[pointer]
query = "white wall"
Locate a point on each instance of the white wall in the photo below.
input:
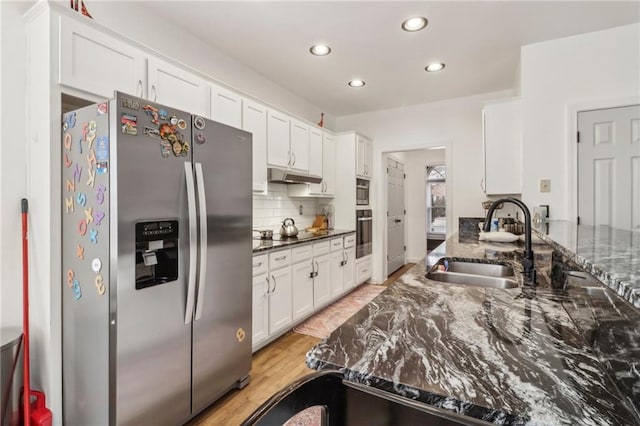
(455, 124)
(269, 210)
(557, 75)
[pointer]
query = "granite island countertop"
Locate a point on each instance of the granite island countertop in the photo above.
(303, 237)
(529, 355)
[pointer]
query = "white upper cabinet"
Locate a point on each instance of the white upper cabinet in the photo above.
(278, 139)
(176, 87)
(315, 152)
(364, 157)
(254, 121)
(95, 62)
(329, 164)
(226, 106)
(299, 145)
(502, 123)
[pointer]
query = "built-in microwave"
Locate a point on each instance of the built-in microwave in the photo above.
(362, 192)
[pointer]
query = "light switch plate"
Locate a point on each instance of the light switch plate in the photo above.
(545, 185)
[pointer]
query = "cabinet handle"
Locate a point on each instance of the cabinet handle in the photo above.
(317, 269)
(274, 284)
(482, 184)
(347, 256)
(294, 158)
(139, 88)
(255, 265)
(289, 155)
(155, 92)
(280, 258)
(268, 285)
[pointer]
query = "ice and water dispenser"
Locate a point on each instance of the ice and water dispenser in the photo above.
(156, 253)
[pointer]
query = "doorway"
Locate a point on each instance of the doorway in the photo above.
(436, 208)
(395, 215)
(609, 167)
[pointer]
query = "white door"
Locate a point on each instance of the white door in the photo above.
(280, 300)
(337, 276)
(321, 282)
(609, 167)
(316, 160)
(329, 165)
(226, 106)
(254, 120)
(260, 314)
(299, 145)
(171, 85)
(302, 296)
(278, 139)
(395, 215)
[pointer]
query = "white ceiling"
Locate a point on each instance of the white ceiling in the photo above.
(479, 42)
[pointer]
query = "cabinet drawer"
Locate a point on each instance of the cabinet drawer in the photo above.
(363, 271)
(350, 241)
(260, 264)
(279, 259)
(301, 253)
(336, 244)
(320, 248)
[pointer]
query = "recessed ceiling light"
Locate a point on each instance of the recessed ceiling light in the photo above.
(320, 49)
(356, 83)
(414, 24)
(437, 66)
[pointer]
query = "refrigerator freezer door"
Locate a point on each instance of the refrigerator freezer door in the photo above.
(153, 344)
(222, 334)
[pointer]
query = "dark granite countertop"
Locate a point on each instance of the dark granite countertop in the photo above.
(303, 238)
(542, 355)
(611, 255)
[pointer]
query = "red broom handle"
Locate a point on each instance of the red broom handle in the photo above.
(25, 314)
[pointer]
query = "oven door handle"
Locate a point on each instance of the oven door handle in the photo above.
(364, 219)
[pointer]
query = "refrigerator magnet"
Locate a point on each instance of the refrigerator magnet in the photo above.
(162, 114)
(98, 218)
(69, 121)
(82, 227)
(67, 161)
(88, 214)
(70, 277)
(102, 168)
(173, 120)
(151, 132)
(102, 108)
(102, 148)
(77, 291)
(67, 141)
(200, 138)
(129, 124)
(129, 103)
(93, 235)
(99, 285)
(96, 265)
(153, 112)
(81, 199)
(80, 252)
(165, 149)
(199, 123)
(182, 124)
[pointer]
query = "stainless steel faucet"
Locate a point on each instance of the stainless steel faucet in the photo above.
(527, 261)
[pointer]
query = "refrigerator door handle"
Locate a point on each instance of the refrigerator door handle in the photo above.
(193, 241)
(202, 275)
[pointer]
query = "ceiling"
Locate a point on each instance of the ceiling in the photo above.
(479, 42)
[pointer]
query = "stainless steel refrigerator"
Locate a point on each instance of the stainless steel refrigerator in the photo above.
(156, 253)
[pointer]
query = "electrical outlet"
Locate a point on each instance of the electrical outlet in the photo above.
(545, 185)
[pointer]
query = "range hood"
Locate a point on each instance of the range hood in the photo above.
(275, 174)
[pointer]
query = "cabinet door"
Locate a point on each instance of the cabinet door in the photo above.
(329, 165)
(299, 146)
(280, 300)
(277, 139)
(97, 63)
(260, 316)
(173, 86)
(322, 281)
(254, 120)
(502, 147)
(349, 270)
(302, 295)
(361, 147)
(337, 274)
(368, 159)
(316, 160)
(226, 106)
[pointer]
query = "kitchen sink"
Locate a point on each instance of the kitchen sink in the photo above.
(475, 268)
(477, 274)
(472, 279)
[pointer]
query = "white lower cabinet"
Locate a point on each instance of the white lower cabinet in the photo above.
(302, 289)
(280, 315)
(363, 269)
(290, 285)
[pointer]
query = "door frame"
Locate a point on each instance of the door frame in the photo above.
(379, 187)
(572, 110)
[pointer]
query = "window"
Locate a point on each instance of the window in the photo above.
(436, 200)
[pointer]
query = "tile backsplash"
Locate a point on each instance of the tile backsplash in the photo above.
(270, 210)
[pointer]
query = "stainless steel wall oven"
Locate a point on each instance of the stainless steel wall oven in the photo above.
(364, 233)
(362, 192)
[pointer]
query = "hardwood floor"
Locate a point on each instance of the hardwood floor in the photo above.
(274, 366)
